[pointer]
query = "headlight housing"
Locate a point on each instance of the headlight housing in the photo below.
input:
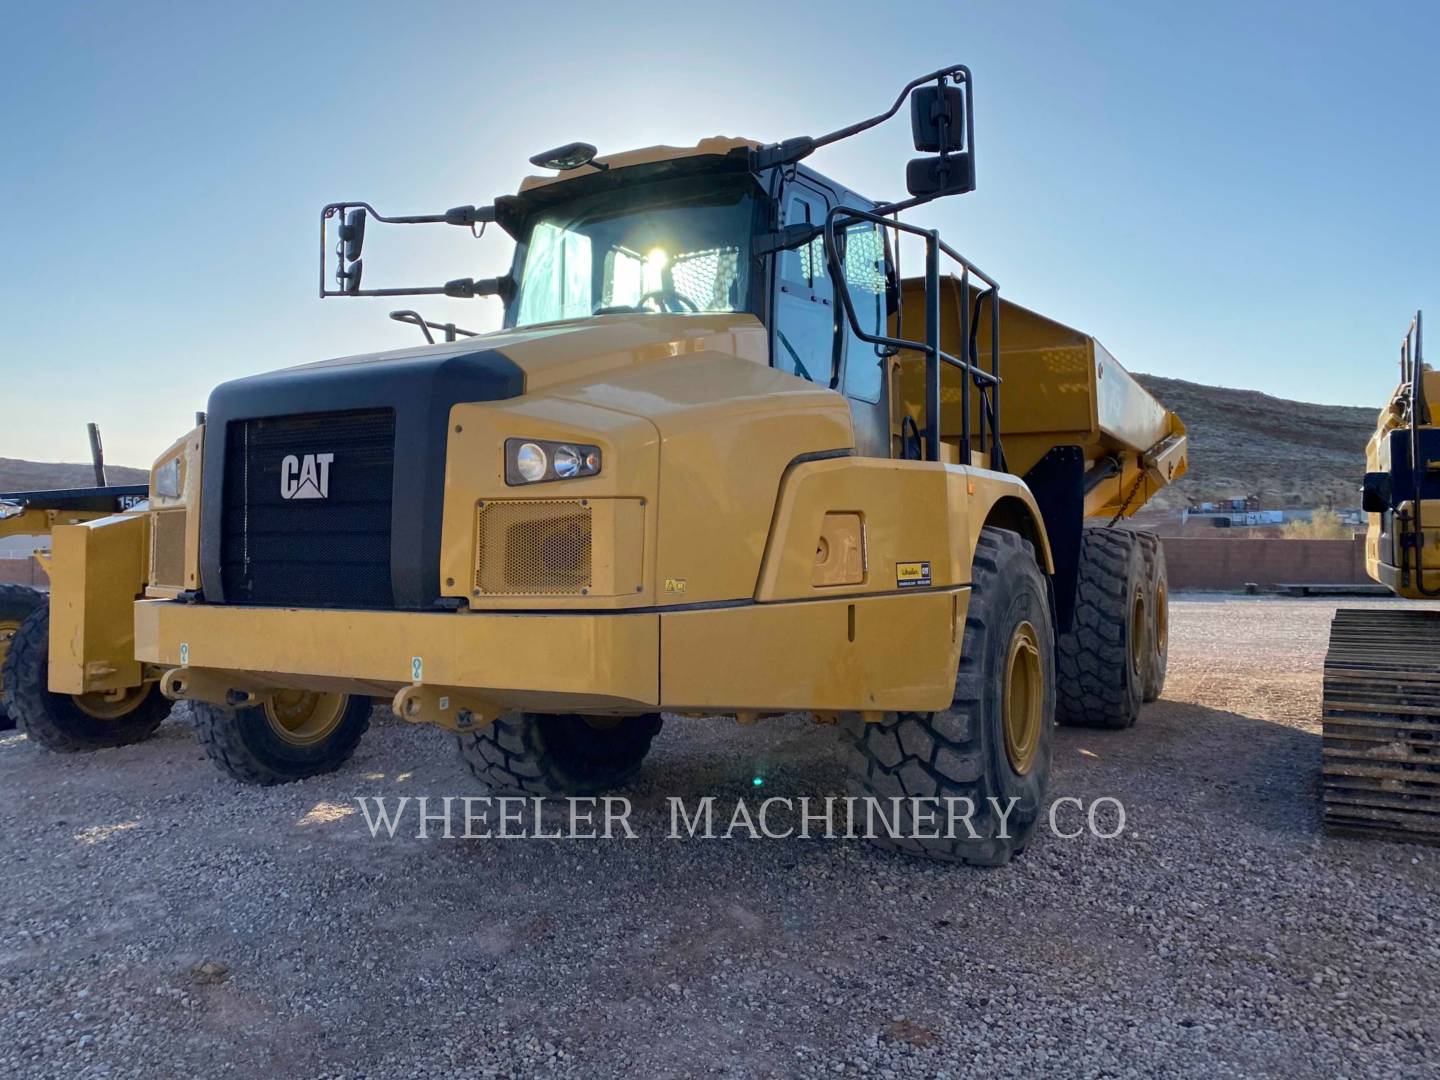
(534, 461)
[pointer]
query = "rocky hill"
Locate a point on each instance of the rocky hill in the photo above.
(17, 475)
(1289, 453)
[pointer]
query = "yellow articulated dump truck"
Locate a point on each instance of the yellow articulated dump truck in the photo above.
(722, 459)
(1382, 671)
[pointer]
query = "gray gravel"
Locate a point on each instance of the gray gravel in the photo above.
(157, 919)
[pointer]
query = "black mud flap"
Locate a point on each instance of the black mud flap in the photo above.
(1058, 483)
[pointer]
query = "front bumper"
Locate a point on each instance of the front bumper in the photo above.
(540, 662)
(888, 652)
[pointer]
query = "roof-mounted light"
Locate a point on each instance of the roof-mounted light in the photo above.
(567, 157)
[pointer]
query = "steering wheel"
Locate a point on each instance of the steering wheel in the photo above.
(668, 301)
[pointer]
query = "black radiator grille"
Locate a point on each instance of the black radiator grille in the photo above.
(309, 551)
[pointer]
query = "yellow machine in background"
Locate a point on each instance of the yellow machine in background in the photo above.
(1382, 670)
(721, 460)
(108, 716)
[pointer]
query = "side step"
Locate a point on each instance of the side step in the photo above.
(1381, 725)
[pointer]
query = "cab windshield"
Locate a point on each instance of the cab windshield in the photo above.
(666, 246)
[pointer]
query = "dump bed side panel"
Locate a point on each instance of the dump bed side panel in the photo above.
(1127, 413)
(1061, 387)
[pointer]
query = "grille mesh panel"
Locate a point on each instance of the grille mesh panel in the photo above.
(330, 552)
(167, 549)
(533, 547)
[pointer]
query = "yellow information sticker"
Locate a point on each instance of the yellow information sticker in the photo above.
(912, 575)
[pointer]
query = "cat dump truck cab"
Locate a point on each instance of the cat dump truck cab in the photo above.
(1381, 710)
(723, 458)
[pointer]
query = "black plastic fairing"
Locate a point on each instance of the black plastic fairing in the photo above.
(420, 388)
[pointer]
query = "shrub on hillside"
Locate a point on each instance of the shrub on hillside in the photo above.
(1323, 525)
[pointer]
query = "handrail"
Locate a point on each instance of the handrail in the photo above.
(1412, 367)
(986, 382)
(414, 318)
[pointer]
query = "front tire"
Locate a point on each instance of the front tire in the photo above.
(16, 604)
(69, 723)
(553, 755)
(292, 736)
(992, 746)
(1102, 658)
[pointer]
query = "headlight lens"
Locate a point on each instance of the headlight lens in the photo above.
(567, 462)
(529, 461)
(167, 479)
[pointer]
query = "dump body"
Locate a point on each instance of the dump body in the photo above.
(1061, 388)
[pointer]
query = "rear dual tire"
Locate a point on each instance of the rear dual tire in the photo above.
(1159, 585)
(1103, 658)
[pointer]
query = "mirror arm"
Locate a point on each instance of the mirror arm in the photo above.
(791, 236)
(459, 288)
(792, 150)
(465, 288)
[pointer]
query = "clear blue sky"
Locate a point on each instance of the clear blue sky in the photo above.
(1233, 193)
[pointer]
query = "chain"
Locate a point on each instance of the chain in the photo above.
(1128, 500)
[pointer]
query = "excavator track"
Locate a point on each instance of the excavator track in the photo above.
(1381, 723)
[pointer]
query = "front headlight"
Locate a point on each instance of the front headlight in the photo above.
(167, 479)
(531, 461)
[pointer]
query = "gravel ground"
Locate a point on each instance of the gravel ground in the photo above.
(159, 920)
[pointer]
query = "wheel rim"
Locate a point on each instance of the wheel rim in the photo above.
(1137, 632)
(1024, 698)
(304, 717)
(1162, 620)
(113, 705)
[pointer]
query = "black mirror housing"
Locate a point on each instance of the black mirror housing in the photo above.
(352, 233)
(937, 119)
(1375, 495)
(952, 174)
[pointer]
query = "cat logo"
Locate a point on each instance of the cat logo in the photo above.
(305, 477)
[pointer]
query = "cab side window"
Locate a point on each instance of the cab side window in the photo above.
(804, 316)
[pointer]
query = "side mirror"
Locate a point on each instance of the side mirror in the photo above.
(953, 174)
(352, 233)
(937, 119)
(1375, 494)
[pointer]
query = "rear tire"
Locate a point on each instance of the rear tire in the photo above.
(994, 741)
(553, 755)
(16, 604)
(1103, 657)
(1159, 598)
(69, 723)
(294, 736)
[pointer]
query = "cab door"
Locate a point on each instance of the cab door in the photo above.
(804, 311)
(807, 318)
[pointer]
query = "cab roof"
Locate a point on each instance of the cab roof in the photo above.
(716, 146)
